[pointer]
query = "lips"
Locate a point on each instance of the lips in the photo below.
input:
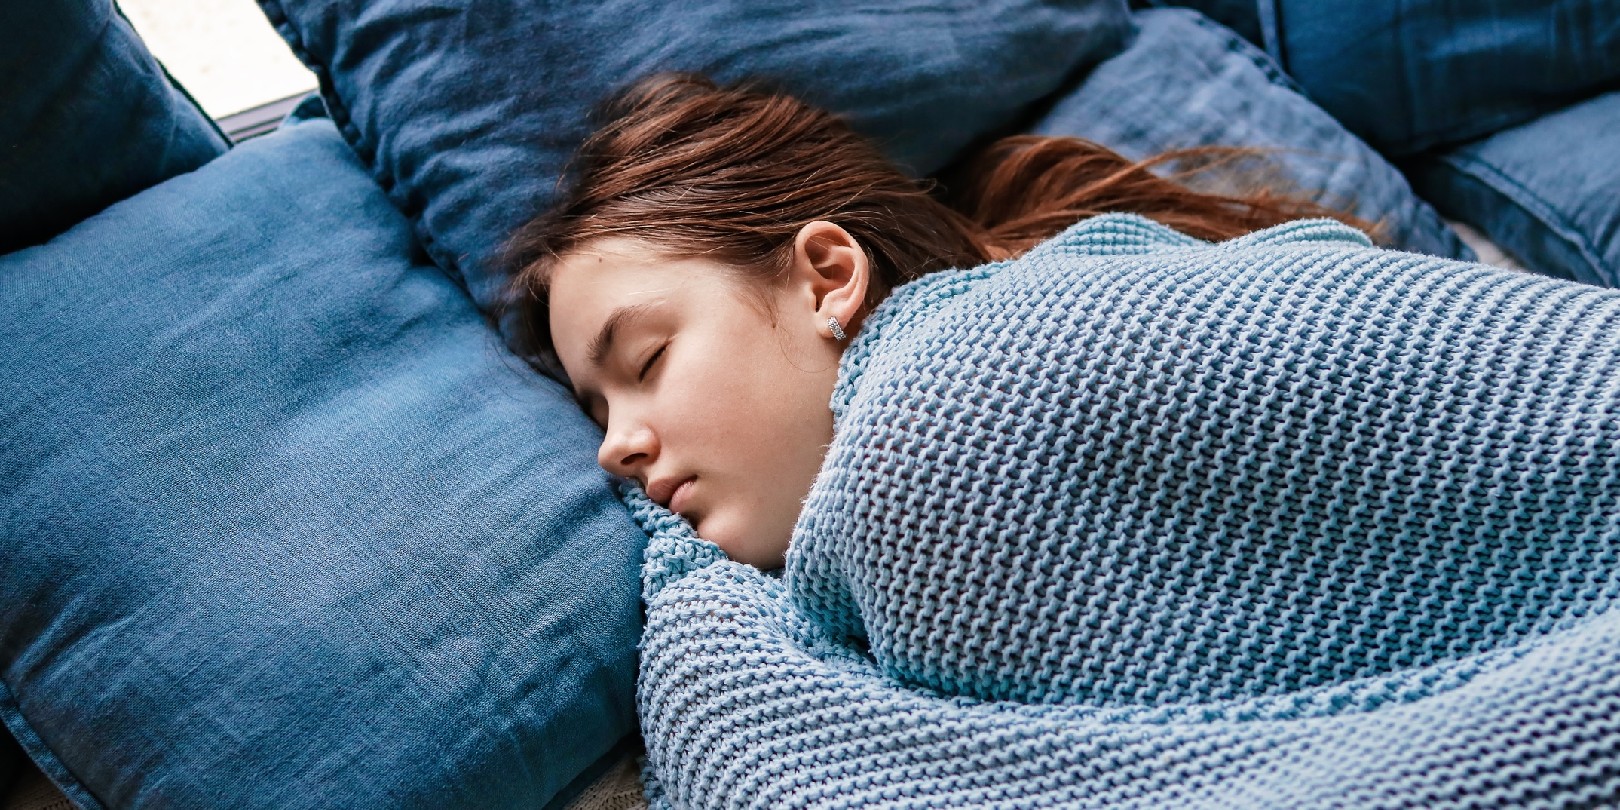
(678, 501)
(664, 490)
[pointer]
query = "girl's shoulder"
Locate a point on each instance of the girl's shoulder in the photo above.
(903, 326)
(1104, 235)
(898, 315)
(1133, 234)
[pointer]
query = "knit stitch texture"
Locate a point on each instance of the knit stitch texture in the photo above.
(1140, 521)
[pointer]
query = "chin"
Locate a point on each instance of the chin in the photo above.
(741, 544)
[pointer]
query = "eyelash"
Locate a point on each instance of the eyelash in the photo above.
(646, 367)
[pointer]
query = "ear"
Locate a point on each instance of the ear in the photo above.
(834, 268)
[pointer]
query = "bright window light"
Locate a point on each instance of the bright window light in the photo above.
(224, 52)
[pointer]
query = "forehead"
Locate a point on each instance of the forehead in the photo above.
(612, 273)
(610, 266)
(587, 285)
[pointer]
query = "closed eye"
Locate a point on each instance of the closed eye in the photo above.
(647, 366)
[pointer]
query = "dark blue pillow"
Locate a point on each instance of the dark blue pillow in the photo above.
(281, 522)
(467, 112)
(89, 119)
(1410, 75)
(1185, 81)
(1547, 192)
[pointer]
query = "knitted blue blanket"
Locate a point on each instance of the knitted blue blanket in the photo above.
(1140, 521)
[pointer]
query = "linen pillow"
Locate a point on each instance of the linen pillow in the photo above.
(466, 113)
(1411, 75)
(1185, 81)
(1544, 190)
(90, 118)
(282, 523)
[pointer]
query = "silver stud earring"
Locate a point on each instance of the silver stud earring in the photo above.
(837, 331)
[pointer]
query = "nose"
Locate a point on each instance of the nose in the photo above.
(628, 447)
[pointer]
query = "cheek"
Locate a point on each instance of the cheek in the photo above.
(701, 402)
(778, 405)
(739, 391)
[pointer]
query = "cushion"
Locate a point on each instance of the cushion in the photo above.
(1410, 75)
(283, 524)
(1185, 81)
(466, 113)
(96, 120)
(1544, 190)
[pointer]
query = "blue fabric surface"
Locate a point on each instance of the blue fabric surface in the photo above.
(1438, 85)
(1410, 75)
(1140, 521)
(1185, 81)
(466, 113)
(89, 117)
(1547, 192)
(282, 524)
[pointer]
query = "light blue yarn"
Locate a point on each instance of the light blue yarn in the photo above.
(1140, 521)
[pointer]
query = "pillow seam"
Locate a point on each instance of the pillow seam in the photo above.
(41, 753)
(1537, 207)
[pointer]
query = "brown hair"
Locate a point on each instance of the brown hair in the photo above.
(733, 173)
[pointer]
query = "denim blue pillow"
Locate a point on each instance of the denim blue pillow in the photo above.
(1185, 81)
(282, 524)
(1545, 191)
(466, 113)
(1410, 75)
(90, 118)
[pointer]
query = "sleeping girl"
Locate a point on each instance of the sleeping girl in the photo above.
(720, 248)
(1126, 485)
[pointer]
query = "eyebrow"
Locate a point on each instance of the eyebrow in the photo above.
(600, 345)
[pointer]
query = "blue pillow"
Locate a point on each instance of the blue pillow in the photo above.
(1545, 191)
(1410, 75)
(282, 524)
(1185, 81)
(90, 118)
(467, 113)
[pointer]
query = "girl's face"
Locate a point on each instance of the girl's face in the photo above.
(713, 390)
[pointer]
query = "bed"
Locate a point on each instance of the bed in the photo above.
(283, 523)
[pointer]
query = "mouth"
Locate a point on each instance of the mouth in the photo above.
(678, 502)
(666, 491)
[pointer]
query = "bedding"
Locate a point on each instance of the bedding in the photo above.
(281, 522)
(284, 525)
(1543, 190)
(467, 114)
(1140, 521)
(77, 79)
(1184, 82)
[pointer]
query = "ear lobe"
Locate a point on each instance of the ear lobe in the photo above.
(837, 268)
